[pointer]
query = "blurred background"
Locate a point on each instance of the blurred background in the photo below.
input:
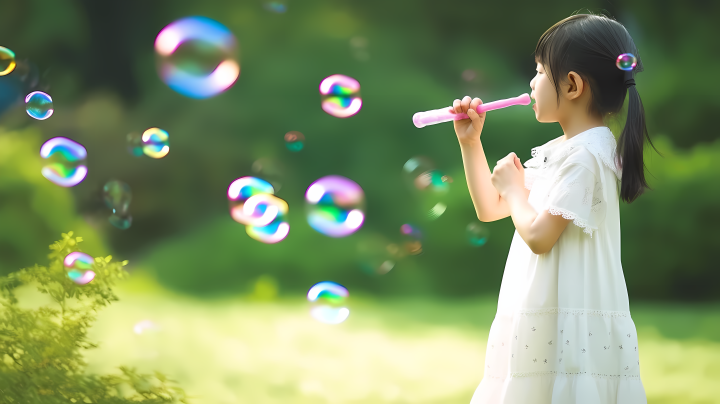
(226, 315)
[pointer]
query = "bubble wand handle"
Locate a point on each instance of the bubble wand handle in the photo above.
(446, 114)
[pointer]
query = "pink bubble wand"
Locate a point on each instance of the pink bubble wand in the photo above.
(447, 114)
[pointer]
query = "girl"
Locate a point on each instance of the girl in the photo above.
(563, 332)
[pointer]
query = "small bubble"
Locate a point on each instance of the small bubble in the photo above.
(294, 141)
(7, 61)
(477, 234)
(117, 196)
(39, 105)
(329, 301)
(626, 62)
(79, 267)
(121, 221)
(340, 96)
(155, 143)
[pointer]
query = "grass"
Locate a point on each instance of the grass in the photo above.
(388, 351)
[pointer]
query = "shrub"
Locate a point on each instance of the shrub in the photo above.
(41, 349)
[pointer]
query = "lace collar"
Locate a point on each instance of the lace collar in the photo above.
(599, 141)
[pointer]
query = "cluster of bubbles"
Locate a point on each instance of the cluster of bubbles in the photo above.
(340, 96)
(335, 206)
(117, 196)
(329, 302)
(626, 62)
(197, 57)
(254, 204)
(65, 161)
(79, 267)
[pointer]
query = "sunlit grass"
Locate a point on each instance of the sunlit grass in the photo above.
(398, 351)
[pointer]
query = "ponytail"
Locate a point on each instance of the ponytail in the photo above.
(630, 148)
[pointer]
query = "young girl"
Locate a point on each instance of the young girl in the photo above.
(563, 332)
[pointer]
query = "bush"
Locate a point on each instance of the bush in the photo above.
(41, 349)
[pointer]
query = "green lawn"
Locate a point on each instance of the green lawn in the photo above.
(388, 351)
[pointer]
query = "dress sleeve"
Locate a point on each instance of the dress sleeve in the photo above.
(577, 195)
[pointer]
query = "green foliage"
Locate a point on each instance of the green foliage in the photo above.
(41, 350)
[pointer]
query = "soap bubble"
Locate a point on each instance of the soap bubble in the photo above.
(421, 174)
(66, 161)
(275, 6)
(241, 190)
(340, 96)
(335, 206)
(275, 210)
(477, 235)
(294, 140)
(117, 196)
(197, 57)
(39, 105)
(626, 62)
(155, 143)
(79, 267)
(329, 300)
(273, 233)
(120, 220)
(134, 144)
(7, 61)
(377, 256)
(260, 210)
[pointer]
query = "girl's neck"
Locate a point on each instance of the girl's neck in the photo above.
(579, 123)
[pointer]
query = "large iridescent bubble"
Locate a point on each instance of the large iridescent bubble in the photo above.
(7, 61)
(340, 96)
(39, 105)
(65, 161)
(329, 301)
(197, 57)
(335, 206)
(79, 267)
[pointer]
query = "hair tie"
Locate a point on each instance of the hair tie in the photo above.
(629, 80)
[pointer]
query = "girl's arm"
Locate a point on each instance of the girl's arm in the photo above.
(489, 206)
(540, 231)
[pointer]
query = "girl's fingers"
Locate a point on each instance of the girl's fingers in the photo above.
(456, 106)
(475, 102)
(465, 103)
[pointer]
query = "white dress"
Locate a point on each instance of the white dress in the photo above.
(563, 332)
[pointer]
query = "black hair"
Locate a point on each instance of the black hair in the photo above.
(589, 45)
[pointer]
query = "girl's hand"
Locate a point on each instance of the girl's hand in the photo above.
(468, 130)
(508, 175)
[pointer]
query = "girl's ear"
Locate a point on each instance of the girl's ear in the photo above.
(576, 86)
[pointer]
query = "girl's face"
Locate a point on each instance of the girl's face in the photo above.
(545, 96)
